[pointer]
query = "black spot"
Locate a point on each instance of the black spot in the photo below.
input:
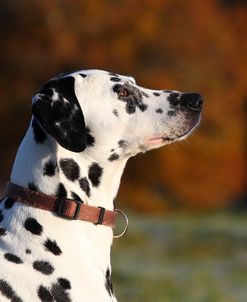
(113, 157)
(171, 113)
(167, 91)
(115, 79)
(159, 110)
(39, 134)
(9, 203)
(44, 294)
(28, 251)
(90, 138)
(130, 107)
(70, 168)
(117, 87)
(143, 107)
(173, 99)
(59, 293)
(84, 184)
(112, 150)
(52, 247)
(156, 93)
(49, 168)
(44, 267)
(3, 232)
(61, 191)
(115, 112)
(108, 282)
(32, 186)
(94, 174)
(32, 225)
(76, 197)
(8, 292)
(122, 143)
(13, 258)
(64, 283)
(83, 75)
(1, 216)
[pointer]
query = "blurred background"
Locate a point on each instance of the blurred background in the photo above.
(187, 239)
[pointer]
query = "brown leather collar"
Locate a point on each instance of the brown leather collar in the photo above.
(63, 207)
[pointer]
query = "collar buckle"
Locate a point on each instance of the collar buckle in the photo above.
(62, 208)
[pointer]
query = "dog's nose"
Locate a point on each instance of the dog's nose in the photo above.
(192, 100)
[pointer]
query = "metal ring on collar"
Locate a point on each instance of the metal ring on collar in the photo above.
(126, 220)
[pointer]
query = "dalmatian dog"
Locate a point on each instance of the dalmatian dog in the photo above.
(84, 127)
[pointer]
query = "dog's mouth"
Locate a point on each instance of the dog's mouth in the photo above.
(166, 139)
(178, 137)
(161, 139)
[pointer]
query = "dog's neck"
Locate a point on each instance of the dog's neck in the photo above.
(53, 170)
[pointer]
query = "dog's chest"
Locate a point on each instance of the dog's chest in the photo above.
(48, 259)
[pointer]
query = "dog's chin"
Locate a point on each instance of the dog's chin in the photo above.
(160, 140)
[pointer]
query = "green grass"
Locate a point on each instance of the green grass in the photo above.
(185, 258)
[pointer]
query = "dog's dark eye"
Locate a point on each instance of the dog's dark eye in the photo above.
(121, 91)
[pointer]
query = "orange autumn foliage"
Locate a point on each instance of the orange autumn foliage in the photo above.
(185, 45)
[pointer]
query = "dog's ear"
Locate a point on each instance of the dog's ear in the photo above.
(56, 108)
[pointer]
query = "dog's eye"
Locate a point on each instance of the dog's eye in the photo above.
(121, 91)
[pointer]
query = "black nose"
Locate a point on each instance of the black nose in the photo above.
(192, 100)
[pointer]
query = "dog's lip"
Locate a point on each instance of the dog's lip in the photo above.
(162, 139)
(155, 140)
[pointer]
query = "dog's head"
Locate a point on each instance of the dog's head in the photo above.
(93, 107)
